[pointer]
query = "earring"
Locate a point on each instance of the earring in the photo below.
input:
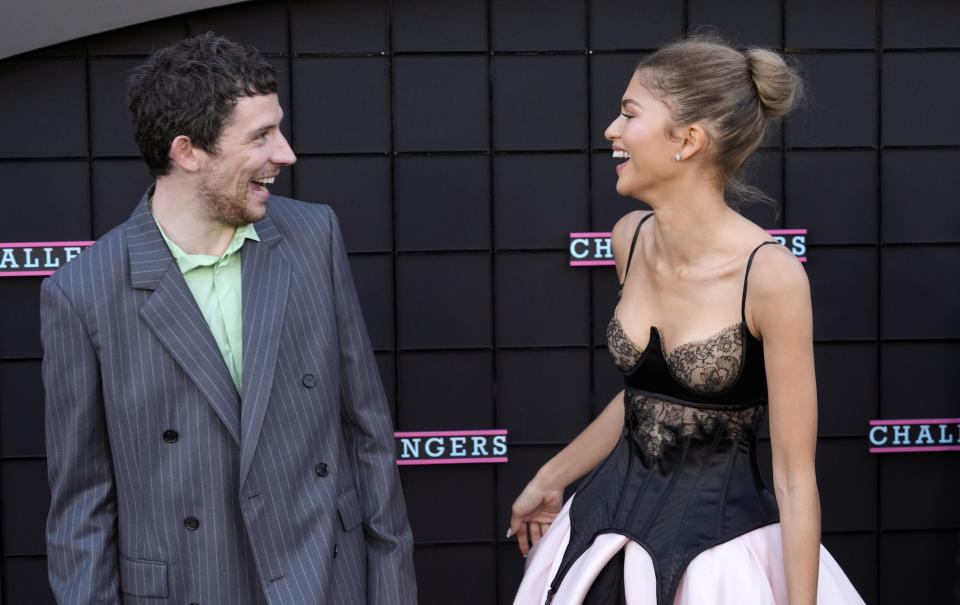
(678, 157)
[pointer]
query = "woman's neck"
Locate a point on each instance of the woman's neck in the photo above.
(690, 225)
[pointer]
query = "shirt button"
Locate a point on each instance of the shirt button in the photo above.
(322, 469)
(336, 550)
(309, 381)
(191, 523)
(170, 436)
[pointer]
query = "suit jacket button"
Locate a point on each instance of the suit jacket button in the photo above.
(322, 469)
(309, 381)
(191, 523)
(170, 436)
(336, 550)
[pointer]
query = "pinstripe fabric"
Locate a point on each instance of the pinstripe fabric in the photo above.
(128, 356)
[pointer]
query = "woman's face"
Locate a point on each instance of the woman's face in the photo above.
(639, 136)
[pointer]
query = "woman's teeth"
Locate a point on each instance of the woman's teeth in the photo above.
(619, 153)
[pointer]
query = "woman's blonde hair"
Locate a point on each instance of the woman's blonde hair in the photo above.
(734, 94)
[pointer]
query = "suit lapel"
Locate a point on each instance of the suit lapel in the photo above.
(266, 280)
(171, 312)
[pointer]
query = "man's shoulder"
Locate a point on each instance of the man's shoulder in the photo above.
(300, 220)
(288, 209)
(101, 261)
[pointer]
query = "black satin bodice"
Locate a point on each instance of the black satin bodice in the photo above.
(684, 475)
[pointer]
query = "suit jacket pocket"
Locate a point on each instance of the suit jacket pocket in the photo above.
(348, 506)
(142, 578)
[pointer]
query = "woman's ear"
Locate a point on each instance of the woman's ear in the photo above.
(694, 138)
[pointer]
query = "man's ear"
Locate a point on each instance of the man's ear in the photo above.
(185, 155)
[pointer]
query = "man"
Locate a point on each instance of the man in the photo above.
(216, 428)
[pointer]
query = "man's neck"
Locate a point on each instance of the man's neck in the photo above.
(182, 216)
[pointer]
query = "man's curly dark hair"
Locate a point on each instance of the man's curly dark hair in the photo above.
(190, 88)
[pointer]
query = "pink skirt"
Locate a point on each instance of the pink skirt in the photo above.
(746, 570)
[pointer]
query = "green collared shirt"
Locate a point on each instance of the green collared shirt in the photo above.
(215, 282)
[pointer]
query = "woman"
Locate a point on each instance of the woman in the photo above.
(675, 510)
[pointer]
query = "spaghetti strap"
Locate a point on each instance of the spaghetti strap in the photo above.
(743, 302)
(633, 245)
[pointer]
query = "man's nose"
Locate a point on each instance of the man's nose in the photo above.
(282, 153)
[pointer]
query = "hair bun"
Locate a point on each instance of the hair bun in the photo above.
(778, 84)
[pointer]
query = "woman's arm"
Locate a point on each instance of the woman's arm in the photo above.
(779, 304)
(541, 500)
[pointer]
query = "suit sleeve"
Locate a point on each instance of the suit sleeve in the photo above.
(81, 526)
(369, 431)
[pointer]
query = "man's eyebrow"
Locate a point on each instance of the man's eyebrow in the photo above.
(266, 127)
(254, 133)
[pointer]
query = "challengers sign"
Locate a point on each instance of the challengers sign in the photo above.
(37, 258)
(591, 249)
(916, 435)
(451, 447)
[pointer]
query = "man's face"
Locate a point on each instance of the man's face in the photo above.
(251, 150)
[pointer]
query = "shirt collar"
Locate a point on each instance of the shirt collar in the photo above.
(188, 262)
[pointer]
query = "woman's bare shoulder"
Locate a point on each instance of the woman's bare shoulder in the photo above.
(624, 229)
(622, 236)
(776, 269)
(779, 291)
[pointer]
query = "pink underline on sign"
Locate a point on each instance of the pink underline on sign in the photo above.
(449, 461)
(770, 231)
(450, 433)
(916, 421)
(24, 273)
(591, 263)
(934, 448)
(45, 244)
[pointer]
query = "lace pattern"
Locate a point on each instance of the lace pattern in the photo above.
(709, 365)
(656, 425)
(624, 353)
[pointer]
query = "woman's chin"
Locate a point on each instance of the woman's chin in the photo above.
(624, 189)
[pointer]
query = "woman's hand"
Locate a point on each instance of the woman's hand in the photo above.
(532, 513)
(540, 502)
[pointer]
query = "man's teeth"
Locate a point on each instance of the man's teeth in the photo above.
(266, 181)
(619, 153)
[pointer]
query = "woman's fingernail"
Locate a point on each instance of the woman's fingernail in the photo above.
(509, 532)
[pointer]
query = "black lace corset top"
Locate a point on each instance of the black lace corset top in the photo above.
(701, 390)
(725, 371)
(691, 421)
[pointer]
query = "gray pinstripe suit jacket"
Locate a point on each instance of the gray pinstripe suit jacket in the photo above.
(294, 489)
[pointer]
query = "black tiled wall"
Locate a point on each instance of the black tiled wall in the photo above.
(459, 144)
